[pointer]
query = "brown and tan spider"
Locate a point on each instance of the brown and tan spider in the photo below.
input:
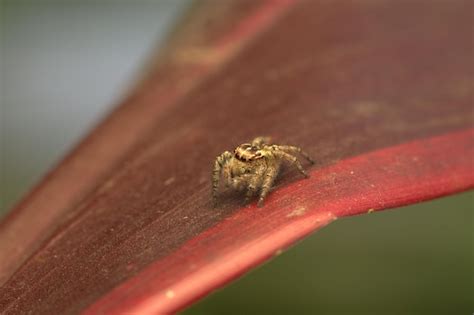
(254, 167)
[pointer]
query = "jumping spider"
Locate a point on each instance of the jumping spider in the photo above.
(254, 166)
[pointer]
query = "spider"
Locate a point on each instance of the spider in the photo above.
(254, 167)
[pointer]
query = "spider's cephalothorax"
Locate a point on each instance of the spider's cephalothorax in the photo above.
(254, 166)
(247, 152)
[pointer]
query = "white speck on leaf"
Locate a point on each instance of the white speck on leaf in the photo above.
(297, 212)
(169, 294)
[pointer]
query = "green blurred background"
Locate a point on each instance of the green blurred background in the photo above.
(64, 64)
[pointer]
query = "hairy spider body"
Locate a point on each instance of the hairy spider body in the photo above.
(254, 167)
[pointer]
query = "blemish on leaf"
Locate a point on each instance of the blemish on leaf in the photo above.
(169, 181)
(297, 212)
(169, 294)
(198, 56)
(366, 108)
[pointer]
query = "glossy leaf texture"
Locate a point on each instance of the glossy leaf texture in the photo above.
(378, 92)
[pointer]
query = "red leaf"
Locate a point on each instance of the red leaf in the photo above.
(252, 235)
(382, 101)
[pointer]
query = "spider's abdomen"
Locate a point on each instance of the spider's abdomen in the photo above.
(246, 152)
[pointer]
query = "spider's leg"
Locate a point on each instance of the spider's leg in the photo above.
(239, 183)
(292, 160)
(293, 149)
(255, 181)
(260, 141)
(220, 161)
(268, 179)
